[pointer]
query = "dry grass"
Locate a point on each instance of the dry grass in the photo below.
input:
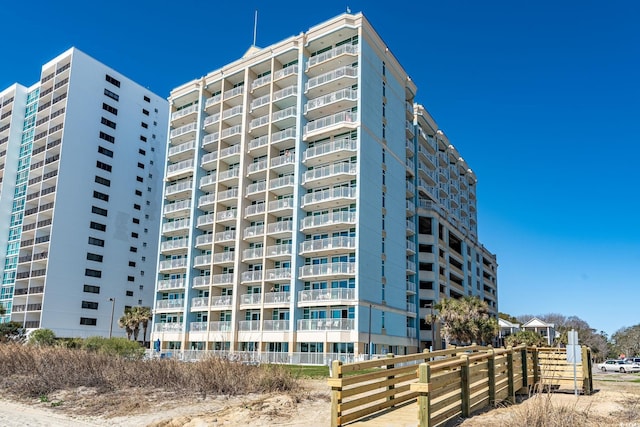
(39, 371)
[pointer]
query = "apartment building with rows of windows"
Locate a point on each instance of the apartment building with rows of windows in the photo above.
(310, 206)
(81, 165)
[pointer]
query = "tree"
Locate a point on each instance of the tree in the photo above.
(465, 320)
(126, 322)
(11, 332)
(42, 338)
(627, 341)
(133, 319)
(507, 317)
(143, 315)
(525, 337)
(3, 310)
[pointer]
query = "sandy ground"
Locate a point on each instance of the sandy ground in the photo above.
(616, 396)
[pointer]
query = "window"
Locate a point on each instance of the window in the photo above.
(110, 109)
(134, 235)
(107, 137)
(88, 321)
(99, 211)
(138, 193)
(103, 166)
(103, 181)
(96, 242)
(91, 289)
(100, 196)
(94, 257)
(132, 263)
(97, 226)
(130, 279)
(141, 165)
(147, 99)
(92, 273)
(133, 249)
(105, 151)
(143, 138)
(129, 293)
(136, 206)
(144, 125)
(141, 151)
(113, 81)
(136, 221)
(139, 179)
(145, 112)
(90, 305)
(111, 95)
(108, 122)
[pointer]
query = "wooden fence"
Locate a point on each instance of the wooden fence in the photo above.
(449, 384)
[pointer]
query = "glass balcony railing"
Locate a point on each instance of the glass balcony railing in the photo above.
(346, 94)
(281, 273)
(257, 166)
(226, 215)
(275, 325)
(280, 227)
(206, 199)
(335, 119)
(233, 92)
(332, 218)
(338, 73)
(252, 253)
(223, 257)
(178, 187)
(173, 263)
(260, 121)
(328, 195)
(351, 49)
(292, 69)
(256, 209)
(259, 102)
(222, 236)
(185, 111)
(222, 279)
(283, 181)
(199, 302)
(168, 245)
(278, 250)
(209, 120)
(343, 144)
(213, 100)
(202, 260)
(228, 194)
(205, 220)
(182, 148)
(326, 324)
(284, 93)
(281, 204)
(258, 142)
(230, 112)
(283, 135)
(177, 206)
(249, 325)
(323, 295)
(251, 276)
(176, 168)
(168, 327)
(254, 230)
(164, 285)
(170, 303)
(329, 171)
(283, 114)
(223, 300)
(180, 224)
(191, 127)
(261, 81)
(329, 269)
(256, 187)
(340, 242)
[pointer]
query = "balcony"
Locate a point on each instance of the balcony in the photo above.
(205, 222)
(411, 247)
(231, 155)
(208, 182)
(252, 210)
(282, 185)
(261, 142)
(260, 102)
(261, 81)
(224, 236)
(339, 150)
(208, 161)
(283, 164)
(280, 229)
(331, 57)
(170, 265)
(284, 118)
(183, 133)
(253, 232)
(328, 175)
(249, 325)
(411, 228)
(331, 81)
(206, 201)
(233, 115)
(180, 170)
(175, 245)
(181, 114)
(201, 281)
(228, 197)
(256, 188)
(199, 303)
(165, 285)
(251, 276)
(275, 325)
(332, 270)
(232, 93)
(222, 279)
(279, 251)
(331, 103)
(231, 135)
(284, 205)
(209, 142)
(327, 222)
(253, 253)
(326, 324)
(285, 73)
(224, 257)
(325, 126)
(176, 227)
(284, 137)
(202, 260)
(229, 215)
(172, 304)
(285, 97)
(278, 274)
(258, 122)
(223, 301)
(204, 240)
(182, 151)
(175, 327)
(213, 100)
(258, 166)
(328, 198)
(330, 245)
(334, 295)
(178, 190)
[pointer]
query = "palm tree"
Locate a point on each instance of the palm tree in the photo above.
(143, 314)
(127, 323)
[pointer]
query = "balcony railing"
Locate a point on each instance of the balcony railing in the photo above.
(277, 297)
(323, 295)
(281, 273)
(281, 204)
(278, 250)
(335, 119)
(328, 219)
(164, 285)
(234, 92)
(256, 209)
(229, 112)
(208, 179)
(283, 181)
(330, 170)
(227, 215)
(283, 135)
(283, 114)
(252, 253)
(206, 199)
(256, 187)
(184, 112)
(251, 276)
(326, 324)
(254, 230)
(170, 303)
(343, 144)
(174, 244)
(168, 327)
(291, 69)
(340, 242)
(175, 225)
(283, 93)
(225, 235)
(182, 147)
(328, 195)
(202, 260)
(223, 257)
(200, 302)
(191, 127)
(258, 102)
(333, 268)
(258, 142)
(351, 49)
(280, 227)
(347, 71)
(249, 325)
(222, 279)
(177, 188)
(223, 300)
(261, 81)
(275, 325)
(214, 99)
(173, 263)
(347, 94)
(257, 166)
(179, 167)
(204, 239)
(251, 299)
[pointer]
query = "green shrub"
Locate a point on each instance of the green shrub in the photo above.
(114, 347)
(42, 337)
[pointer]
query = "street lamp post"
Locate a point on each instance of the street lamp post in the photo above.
(433, 331)
(113, 303)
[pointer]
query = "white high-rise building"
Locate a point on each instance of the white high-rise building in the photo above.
(304, 191)
(81, 158)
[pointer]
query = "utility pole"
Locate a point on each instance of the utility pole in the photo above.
(113, 303)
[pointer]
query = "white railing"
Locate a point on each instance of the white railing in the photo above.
(208, 179)
(328, 219)
(256, 209)
(214, 99)
(276, 205)
(168, 327)
(224, 300)
(285, 159)
(210, 139)
(328, 195)
(351, 49)
(348, 94)
(249, 325)
(278, 250)
(347, 71)
(200, 302)
(204, 239)
(251, 298)
(202, 260)
(209, 120)
(411, 287)
(330, 294)
(229, 151)
(261, 81)
(170, 303)
(209, 157)
(283, 114)
(254, 230)
(222, 236)
(228, 194)
(191, 127)
(340, 242)
(332, 268)
(257, 166)
(251, 276)
(206, 199)
(283, 93)
(182, 147)
(227, 215)
(280, 226)
(204, 220)
(177, 206)
(228, 174)
(222, 279)
(234, 130)
(330, 170)
(326, 324)
(277, 273)
(175, 225)
(229, 112)
(260, 121)
(291, 69)
(411, 266)
(277, 297)
(173, 263)
(252, 253)
(283, 181)
(202, 281)
(178, 187)
(233, 92)
(223, 257)
(258, 142)
(164, 285)
(335, 119)
(258, 102)
(343, 144)
(179, 167)
(275, 325)
(184, 112)
(174, 244)
(256, 187)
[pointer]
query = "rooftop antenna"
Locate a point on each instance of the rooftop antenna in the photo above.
(348, 9)
(255, 27)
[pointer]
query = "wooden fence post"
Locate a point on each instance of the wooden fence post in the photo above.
(587, 376)
(465, 386)
(336, 394)
(391, 387)
(511, 388)
(424, 399)
(491, 372)
(536, 365)
(525, 373)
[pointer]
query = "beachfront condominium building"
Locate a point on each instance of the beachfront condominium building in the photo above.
(81, 158)
(311, 207)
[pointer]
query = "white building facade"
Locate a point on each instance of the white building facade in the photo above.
(81, 157)
(293, 194)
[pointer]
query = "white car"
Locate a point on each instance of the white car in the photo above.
(615, 365)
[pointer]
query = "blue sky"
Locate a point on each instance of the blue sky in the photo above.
(541, 98)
